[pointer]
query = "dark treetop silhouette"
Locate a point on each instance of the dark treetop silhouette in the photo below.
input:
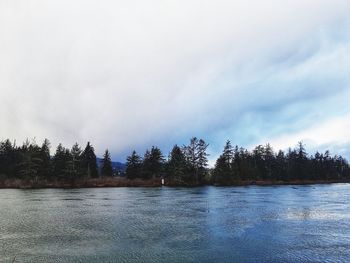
(186, 165)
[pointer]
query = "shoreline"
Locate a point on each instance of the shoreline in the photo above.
(123, 182)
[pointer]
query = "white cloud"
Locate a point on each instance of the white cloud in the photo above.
(332, 133)
(127, 74)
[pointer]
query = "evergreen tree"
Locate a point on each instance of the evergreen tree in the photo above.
(196, 157)
(59, 162)
(88, 160)
(202, 160)
(191, 154)
(280, 170)
(202, 155)
(153, 163)
(7, 159)
(146, 172)
(107, 169)
(269, 158)
(259, 163)
(133, 166)
(177, 165)
(30, 161)
(237, 163)
(69, 171)
(316, 166)
(76, 161)
(301, 162)
(228, 153)
(223, 171)
(45, 167)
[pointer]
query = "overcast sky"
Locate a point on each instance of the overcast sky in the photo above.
(131, 74)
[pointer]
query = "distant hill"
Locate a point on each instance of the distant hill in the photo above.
(120, 167)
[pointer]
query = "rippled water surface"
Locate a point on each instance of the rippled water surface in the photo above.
(233, 224)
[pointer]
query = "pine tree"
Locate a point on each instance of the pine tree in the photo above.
(301, 162)
(191, 153)
(59, 162)
(269, 158)
(157, 162)
(153, 163)
(196, 157)
(8, 159)
(237, 163)
(177, 165)
(202, 160)
(107, 169)
(223, 171)
(133, 166)
(228, 153)
(45, 166)
(280, 169)
(88, 160)
(30, 163)
(69, 169)
(76, 160)
(146, 172)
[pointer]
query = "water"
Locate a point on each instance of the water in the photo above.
(208, 224)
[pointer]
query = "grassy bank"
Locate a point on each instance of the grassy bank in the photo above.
(123, 182)
(79, 183)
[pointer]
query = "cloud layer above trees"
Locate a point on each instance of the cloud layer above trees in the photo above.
(131, 74)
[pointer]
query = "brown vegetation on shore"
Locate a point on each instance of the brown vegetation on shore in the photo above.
(293, 182)
(78, 183)
(124, 182)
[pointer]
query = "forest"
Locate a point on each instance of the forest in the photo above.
(185, 165)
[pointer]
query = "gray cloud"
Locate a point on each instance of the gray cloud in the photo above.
(129, 74)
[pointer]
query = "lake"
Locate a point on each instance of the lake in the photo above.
(205, 224)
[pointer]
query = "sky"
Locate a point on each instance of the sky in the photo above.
(131, 74)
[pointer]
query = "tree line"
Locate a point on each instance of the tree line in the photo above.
(185, 165)
(262, 163)
(31, 161)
